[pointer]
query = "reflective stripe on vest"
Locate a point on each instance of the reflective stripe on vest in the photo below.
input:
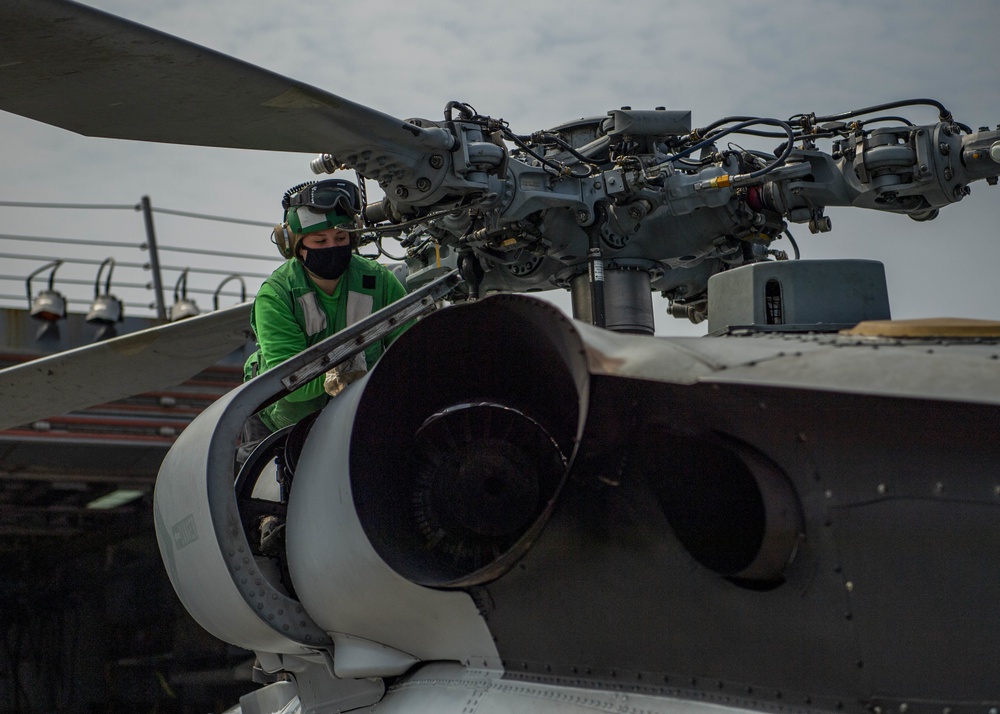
(314, 314)
(359, 306)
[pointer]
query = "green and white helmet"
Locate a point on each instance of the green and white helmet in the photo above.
(318, 205)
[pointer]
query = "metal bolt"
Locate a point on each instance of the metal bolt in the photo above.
(436, 161)
(423, 183)
(401, 192)
(944, 148)
(582, 216)
(948, 174)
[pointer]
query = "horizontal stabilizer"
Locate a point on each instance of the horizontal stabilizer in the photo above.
(131, 364)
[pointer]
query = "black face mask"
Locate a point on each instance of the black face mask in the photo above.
(328, 263)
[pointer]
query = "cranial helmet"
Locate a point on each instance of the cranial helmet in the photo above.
(315, 206)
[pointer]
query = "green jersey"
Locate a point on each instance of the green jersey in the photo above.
(290, 314)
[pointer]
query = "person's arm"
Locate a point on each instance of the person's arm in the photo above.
(280, 338)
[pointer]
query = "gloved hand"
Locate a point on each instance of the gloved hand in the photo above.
(345, 373)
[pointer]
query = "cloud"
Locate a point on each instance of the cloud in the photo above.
(538, 64)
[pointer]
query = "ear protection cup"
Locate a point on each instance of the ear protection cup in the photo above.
(284, 239)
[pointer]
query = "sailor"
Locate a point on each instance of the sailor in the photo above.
(322, 287)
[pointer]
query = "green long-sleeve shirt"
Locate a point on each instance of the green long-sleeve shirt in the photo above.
(290, 314)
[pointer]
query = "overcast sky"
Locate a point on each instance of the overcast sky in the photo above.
(536, 64)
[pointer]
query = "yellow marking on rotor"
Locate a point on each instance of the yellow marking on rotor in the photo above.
(927, 327)
(295, 98)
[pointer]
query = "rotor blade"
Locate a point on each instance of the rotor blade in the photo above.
(96, 74)
(140, 362)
